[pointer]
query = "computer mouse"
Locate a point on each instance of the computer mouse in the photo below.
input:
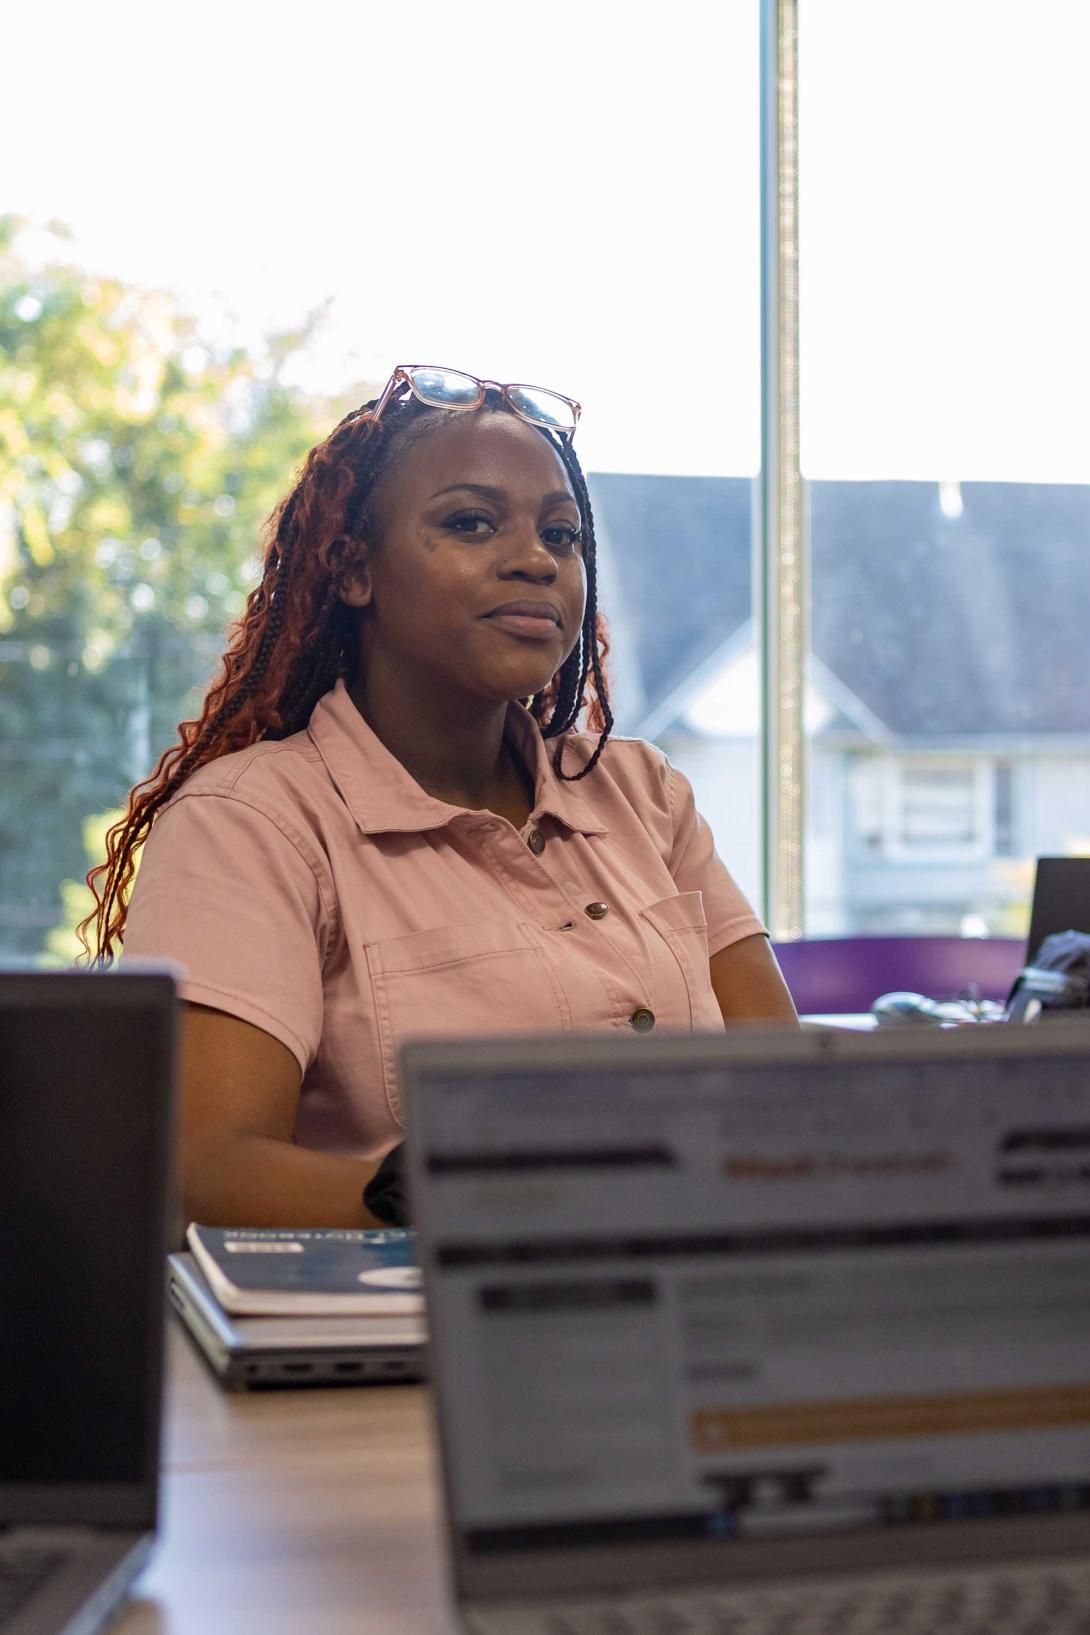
(912, 1010)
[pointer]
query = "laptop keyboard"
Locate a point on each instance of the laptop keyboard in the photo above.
(1037, 1601)
(22, 1570)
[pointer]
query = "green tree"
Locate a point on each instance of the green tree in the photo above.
(138, 460)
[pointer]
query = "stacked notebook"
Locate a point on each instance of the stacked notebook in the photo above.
(314, 1307)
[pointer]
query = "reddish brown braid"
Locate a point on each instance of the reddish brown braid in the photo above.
(296, 638)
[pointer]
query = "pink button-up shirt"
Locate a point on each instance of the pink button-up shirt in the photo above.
(313, 888)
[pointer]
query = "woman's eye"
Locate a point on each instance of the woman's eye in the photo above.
(474, 523)
(562, 537)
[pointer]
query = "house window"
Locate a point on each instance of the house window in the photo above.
(1004, 809)
(939, 811)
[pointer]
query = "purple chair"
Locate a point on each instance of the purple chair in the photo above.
(841, 974)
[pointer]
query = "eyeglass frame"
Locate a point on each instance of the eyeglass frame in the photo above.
(402, 375)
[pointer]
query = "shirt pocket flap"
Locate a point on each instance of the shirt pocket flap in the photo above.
(457, 980)
(448, 945)
(683, 912)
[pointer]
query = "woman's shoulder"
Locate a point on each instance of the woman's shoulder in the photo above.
(283, 781)
(629, 770)
(269, 769)
(632, 760)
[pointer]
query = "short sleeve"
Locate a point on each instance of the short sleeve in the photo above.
(696, 866)
(225, 892)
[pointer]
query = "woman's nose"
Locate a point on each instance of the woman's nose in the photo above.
(526, 555)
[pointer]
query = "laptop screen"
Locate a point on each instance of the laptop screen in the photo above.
(84, 1104)
(757, 1300)
(1061, 899)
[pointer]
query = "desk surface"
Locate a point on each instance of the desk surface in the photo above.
(292, 1511)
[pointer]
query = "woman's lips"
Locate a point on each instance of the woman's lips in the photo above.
(538, 621)
(536, 626)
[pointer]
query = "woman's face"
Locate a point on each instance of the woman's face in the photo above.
(474, 577)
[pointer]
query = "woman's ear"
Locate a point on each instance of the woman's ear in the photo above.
(353, 586)
(349, 564)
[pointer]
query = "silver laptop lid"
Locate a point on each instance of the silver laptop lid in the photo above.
(86, 1070)
(718, 1307)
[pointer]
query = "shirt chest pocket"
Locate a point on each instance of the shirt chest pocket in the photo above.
(681, 923)
(488, 978)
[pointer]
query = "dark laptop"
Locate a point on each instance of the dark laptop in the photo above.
(1061, 899)
(86, 1072)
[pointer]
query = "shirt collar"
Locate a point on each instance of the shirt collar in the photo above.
(385, 799)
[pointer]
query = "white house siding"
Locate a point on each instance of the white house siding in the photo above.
(1050, 799)
(824, 871)
(855, 881)
(1053, 815)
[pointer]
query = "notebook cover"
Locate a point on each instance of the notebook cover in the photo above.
(278, 1272)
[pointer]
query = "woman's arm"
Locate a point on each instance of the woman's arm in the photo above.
(748, 984)
(239, 1164)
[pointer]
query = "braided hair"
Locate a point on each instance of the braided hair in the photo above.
(296, 637)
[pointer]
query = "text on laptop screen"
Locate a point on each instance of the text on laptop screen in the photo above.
(839, 1295)
(81, 1176)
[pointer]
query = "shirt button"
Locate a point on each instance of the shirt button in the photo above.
(642, 1019)
(536, 842)
(597, 911)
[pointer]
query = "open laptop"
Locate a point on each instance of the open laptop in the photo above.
(255, 1352)
(785, 1333)
(1061, 899)
(86, 1073)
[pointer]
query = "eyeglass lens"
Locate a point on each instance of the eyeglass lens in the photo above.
(544, 407)
(445, 388)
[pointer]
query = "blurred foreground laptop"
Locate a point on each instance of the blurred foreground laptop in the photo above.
(85, 1103)
(255, 1352)
(1061, 899)
(761, 1333)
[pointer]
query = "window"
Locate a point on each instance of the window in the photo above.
(503, 189)
(945, 337)
(944, 333)
(939, 811)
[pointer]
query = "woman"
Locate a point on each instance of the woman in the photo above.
(364, 836)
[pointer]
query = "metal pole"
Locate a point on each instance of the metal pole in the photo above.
(780, 557)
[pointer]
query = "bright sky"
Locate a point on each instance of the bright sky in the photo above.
(568, 195)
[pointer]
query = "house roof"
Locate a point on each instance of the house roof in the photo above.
(943, 627)
(675, 577)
